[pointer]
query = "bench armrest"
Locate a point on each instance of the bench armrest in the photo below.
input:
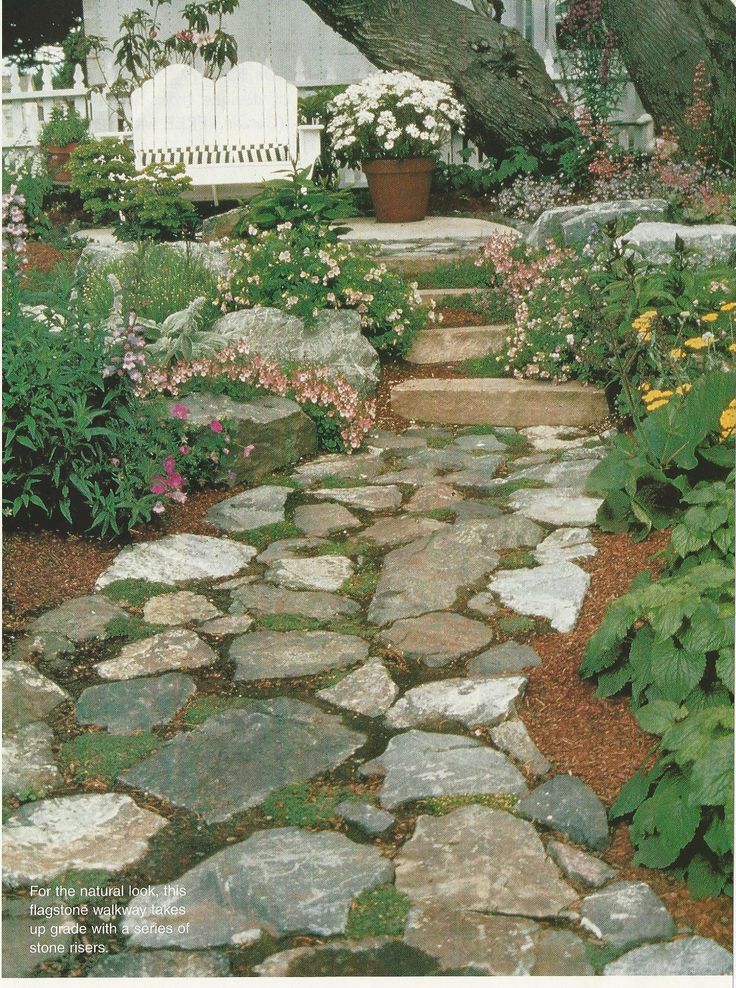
(310, 145)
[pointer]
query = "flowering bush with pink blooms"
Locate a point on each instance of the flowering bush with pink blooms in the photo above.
(343, 418)
(304, 269)
(15, 228)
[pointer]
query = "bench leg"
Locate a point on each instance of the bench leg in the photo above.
(215, 200)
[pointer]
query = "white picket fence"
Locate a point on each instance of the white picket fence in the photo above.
(27, 108)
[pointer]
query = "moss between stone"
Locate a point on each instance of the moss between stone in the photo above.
(136, 592)
(600, 955)
(202, 707)
(517, 559)
(132, 629)
(518, 625)
(77, 881)
(104, 756)
(304, 804)
(439, 442)
(441, 805)
(262, 537)
(286, 622)
(379, 912)
(333, 482)
(440, 514)
(363, 584)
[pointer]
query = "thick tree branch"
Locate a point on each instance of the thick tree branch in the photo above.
(497, 74)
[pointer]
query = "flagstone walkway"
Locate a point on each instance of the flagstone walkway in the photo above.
(309, 737)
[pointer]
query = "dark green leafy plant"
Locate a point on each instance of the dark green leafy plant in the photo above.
(65, 126)
(154, 207)
(100, 170)
(295, 200)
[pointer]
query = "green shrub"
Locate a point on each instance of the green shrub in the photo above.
(305, 270)
(153, 207)
(100, 170)
(32, 181)
(295, 200)
(64, 126)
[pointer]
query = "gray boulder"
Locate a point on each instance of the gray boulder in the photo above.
(334, 340)
(279, 430)
(574, 224)
(712, 241)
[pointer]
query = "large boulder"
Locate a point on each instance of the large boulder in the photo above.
(574, 224)
(334, 340)
(222, 225)
(280, 431)
(711, 242)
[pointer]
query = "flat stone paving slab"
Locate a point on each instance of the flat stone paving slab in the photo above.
(555, 591)
(368, 818)
(28, 761)
(78, 620)
(262, 598)
(433, 234)
(74, 833)
(626, 914)
(252, 509)
(163, 964)
(176, 558)
(577, 866)
(235, 759)
(436, 638)
(179, 608)
(277, 881)
(557, 506)
(322, 519)
(419, 765)
(498, 401)
(438, 345)
(470, 701)
(319, 573)
(135, 704)
(289, 654)
(369, 690)
(400, 530)
(373, 957)
(513, 739)
(694, 957)
(507, 657)
(381, 498)
(566, 804)
(175, 649)
(483, 860)
(500, 946)
(27, 695)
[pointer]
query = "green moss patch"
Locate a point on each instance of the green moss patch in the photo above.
(440, 514)
(517, 625)
(262, 537)
(363, 584)
(136, 592)
(304, 804)
(286, 622)
(517, 559)
(379, 912)
(104, 756)
(132, 629)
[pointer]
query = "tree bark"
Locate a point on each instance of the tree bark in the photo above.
(662, 42)
(495, 72)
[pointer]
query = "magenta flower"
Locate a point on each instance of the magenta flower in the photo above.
(184, 449)
(216, 426)
(169, 465)
(247, 451)
(158, 485)
(179, 411)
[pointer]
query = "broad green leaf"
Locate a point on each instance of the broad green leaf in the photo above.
(703, 878)
(719, 835)
(656, 717)
(632, 794)
(664, 824)
(725, 668)
(712, 774)
(677, 672)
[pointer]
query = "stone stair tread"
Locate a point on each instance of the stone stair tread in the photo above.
(498, 401)
(452, 344)
(426, 294)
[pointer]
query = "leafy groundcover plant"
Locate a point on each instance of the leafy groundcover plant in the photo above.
(671, 641)
(305, 270)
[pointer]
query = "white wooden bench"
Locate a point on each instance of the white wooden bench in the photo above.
(235, 132)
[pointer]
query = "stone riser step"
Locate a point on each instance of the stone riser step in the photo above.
(434, 294)
(498, 401)
(445, 346)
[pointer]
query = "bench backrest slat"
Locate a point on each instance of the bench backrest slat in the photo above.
(178, 108)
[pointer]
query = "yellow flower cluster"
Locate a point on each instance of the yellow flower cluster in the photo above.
(698, 343)
(728, 306)
(643, 324)
(728, 419)
(710, 317)
(654, 398)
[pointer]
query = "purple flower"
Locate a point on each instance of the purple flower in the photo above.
(215, 425)
(179, 411)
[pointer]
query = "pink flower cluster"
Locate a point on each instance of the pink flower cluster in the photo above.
(314, 385)
(15, 228)
(518, 275)
(126, 352)
(170, 484)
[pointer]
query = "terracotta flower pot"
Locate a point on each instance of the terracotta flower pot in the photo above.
(57, 161)
(399, 188)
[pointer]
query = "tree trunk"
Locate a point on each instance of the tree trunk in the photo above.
(498, 75)
(662, 41)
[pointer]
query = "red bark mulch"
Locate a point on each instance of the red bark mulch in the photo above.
(599, 740)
